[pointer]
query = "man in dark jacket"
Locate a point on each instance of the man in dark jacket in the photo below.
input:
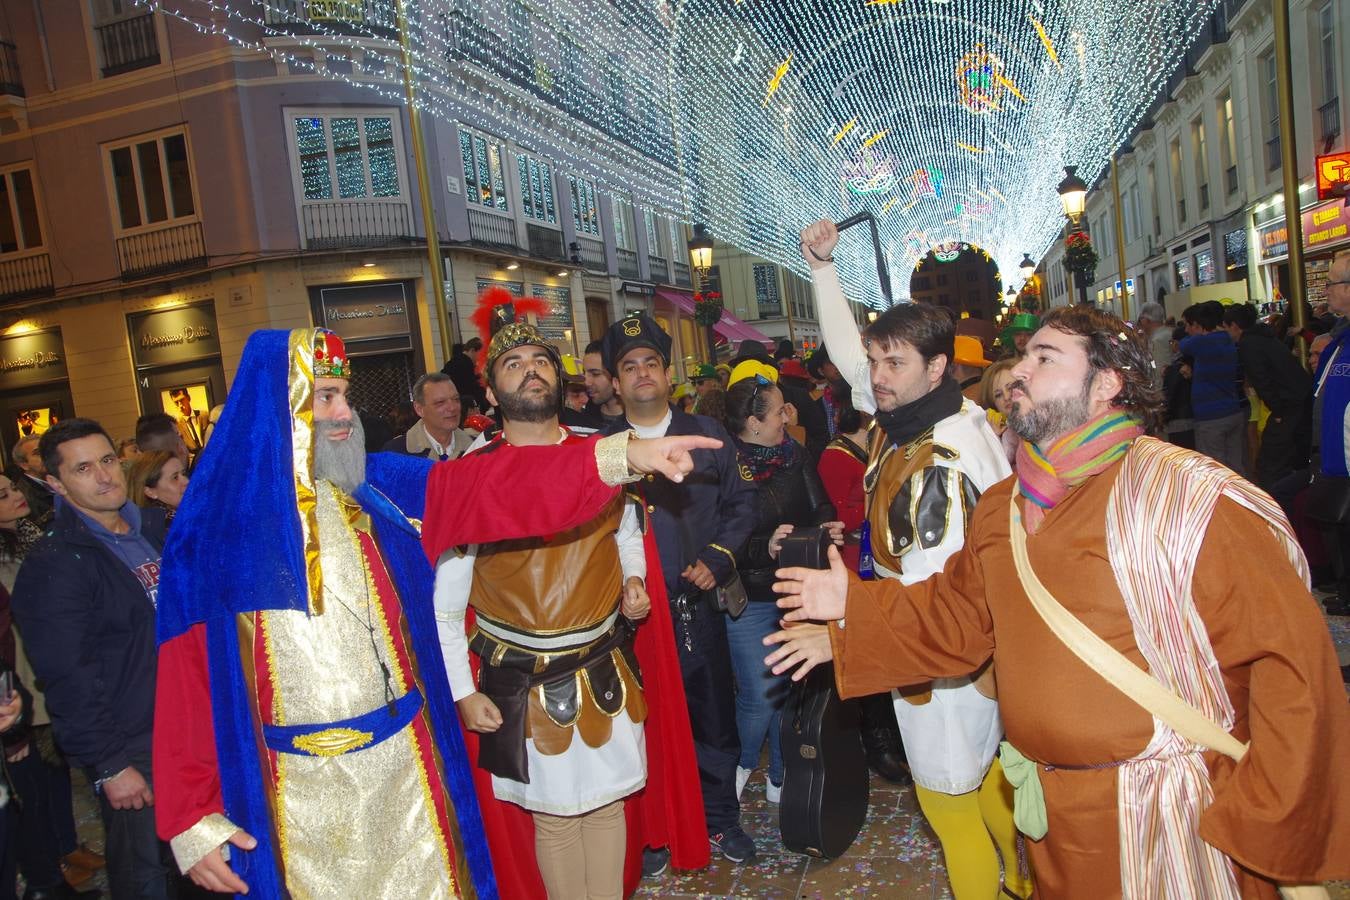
(85, 602)
(1286, 389)
(462, 371)
(700, 525)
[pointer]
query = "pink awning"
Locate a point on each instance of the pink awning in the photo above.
(731, 328)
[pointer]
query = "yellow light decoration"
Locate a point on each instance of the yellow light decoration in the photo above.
(778, 75)
(867, 144)
(848, 126)
(970, 148)
(1048, 44)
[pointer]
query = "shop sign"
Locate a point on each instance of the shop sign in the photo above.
(1323, 226)
(558, 322)
(1333, 176)
(30, 359)
(364, 312)
(171, 336)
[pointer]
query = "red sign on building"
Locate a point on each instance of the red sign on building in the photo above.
(1333, 176)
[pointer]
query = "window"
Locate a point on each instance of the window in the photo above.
(585, 207)
(625, 237)
(1204, 267)
(536, 189)
(1178, 189)
(1131, 213)
(1153, 198)
(1271, 109)
(346, 157)
(20, 228)
(1183, 270)
(652, 222)
(678, 245)
(1228, 145)
(766, 290)
(484, 170)
(518, 28)
(1330, 111)
(1200, 149)
(152, 181)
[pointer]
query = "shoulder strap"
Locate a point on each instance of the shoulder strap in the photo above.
(1110, 663)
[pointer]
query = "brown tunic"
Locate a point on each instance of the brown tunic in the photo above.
(1284, 811)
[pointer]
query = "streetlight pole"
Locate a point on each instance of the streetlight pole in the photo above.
(700, 259)
(1293, 213)
(423, 184)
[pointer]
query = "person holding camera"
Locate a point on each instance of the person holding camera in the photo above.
(931, 456)
(788, 493)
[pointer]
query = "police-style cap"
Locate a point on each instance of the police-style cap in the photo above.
(638, 330)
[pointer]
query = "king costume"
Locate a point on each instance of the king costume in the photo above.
(301, 694)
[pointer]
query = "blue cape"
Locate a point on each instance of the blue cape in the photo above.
(236, 547)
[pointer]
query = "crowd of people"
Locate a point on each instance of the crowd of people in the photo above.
(543, 608)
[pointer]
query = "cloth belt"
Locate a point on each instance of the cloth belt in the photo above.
(508, 674)
(337, 738)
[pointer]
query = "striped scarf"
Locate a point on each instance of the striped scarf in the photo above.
(1045, 477)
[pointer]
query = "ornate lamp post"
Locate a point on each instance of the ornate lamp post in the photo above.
(707, 304)
(1073, 197)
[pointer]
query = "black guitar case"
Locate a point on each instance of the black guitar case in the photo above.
(825, 780)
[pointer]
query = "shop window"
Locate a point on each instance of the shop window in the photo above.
(20, 225)
(484, 160)
(347, 157)
(766, 291)
(536, 189)
(585, 206)
(151, 180)
(1204, 267)
(624, 228)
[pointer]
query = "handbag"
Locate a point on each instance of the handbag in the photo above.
(1329, 500)
(730, 598)
(1129, 679)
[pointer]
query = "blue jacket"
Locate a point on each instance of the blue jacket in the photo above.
(708, 516)
(90, 634)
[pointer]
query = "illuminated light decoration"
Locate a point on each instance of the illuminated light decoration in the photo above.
(927, 183)
(848, 126)
(970, 148)
(886, 207)
(948, 251)
(778, 75)
(869, 173)
(1048, 44)
(642, 102)
(980, 81)
(867, 144)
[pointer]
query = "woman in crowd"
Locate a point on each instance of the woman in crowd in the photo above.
(789, 494)
(842, 467)
(47, 849)
(994, 399)
(157, 479)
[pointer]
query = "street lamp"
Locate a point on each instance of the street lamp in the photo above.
(1027, 267)
(700, 258)
(1073, 194)
(701, 250)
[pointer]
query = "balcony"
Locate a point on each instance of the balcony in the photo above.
(1273, 155)
(160, 251)
(351, 17)
(25, 277)
(544, 243)
(10, 82)
(660, 269)
(628, 264)
(681, 272)
(127, 44)
(592, 253)
(494, 230)
(1329, 115)
(1230, 180)
(355, 223)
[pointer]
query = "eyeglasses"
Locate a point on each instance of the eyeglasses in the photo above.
(760, 381)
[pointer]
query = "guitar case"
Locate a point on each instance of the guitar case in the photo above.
(825, 780)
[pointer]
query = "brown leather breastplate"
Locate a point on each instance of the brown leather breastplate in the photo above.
(889, 506)
(565, 581)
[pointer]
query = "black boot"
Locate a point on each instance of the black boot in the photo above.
(881, 740)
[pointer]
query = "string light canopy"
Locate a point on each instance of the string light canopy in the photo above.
(951, 120)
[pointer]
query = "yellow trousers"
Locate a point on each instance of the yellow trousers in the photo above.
(975, 830)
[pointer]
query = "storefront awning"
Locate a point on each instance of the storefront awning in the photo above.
(731, 328)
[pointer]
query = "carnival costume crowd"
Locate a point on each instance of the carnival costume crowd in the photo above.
(533, 639)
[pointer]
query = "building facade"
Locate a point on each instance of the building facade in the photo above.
(1201, 179)
(168, 191)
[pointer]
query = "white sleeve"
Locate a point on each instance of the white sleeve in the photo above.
(632, 553)
(842, 338)
(454, 578)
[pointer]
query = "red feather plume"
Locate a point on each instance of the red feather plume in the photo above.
(489, 300)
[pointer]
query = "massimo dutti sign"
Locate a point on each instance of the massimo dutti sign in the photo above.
(30, 359)
(363, 312)
(167, 337)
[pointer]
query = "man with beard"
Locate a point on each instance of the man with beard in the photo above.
(605, 400)
(564, 688)
(297, 727)
(1107, 562)
(931, 456)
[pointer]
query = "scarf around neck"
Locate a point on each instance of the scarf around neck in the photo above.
(763, 461)
(907, 422)
(1045, 477)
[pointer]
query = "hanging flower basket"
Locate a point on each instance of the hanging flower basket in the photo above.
(1080, 256)
(708, 308)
